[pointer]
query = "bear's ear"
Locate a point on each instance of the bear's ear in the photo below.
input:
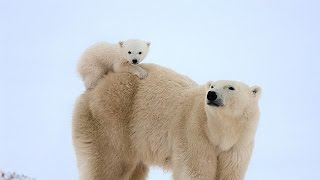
(255, 91)
(121, 43)
(148, 44)
(209, 84)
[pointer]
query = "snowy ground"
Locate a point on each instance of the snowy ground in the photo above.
(13, 176)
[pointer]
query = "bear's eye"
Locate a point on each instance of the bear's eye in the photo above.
(129, 52)
(231, 88)
(140, 52)
(211, 86)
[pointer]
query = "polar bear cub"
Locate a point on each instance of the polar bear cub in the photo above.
(104, 57)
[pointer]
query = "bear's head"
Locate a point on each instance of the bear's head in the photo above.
(133, 50)
(232, 100)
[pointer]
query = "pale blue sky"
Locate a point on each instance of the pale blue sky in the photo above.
(274, 44)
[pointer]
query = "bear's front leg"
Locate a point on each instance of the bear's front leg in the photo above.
(195, 165)
(232, 164)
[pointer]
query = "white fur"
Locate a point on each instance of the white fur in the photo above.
(125, 125)
(104, 57)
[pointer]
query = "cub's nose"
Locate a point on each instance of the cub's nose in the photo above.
(211, 96)
(134, 61)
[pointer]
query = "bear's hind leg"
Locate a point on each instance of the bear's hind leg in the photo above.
(105, 168)
(140, 172)
(99, 155)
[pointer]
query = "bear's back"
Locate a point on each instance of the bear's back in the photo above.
(139, 112)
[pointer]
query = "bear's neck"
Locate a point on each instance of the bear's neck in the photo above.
(224, 132)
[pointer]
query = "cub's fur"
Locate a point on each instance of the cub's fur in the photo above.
(101, 58)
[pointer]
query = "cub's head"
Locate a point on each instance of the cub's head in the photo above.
(232, 99)
(134, 50)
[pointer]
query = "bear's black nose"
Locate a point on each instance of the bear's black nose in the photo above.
(211, 96)
(134, 61)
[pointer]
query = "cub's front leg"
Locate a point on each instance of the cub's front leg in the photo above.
(130, 68)
(233, 164)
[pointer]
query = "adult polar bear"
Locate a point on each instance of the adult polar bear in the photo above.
(124, 125)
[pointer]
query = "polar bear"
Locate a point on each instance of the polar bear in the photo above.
(104, 57)
(200, 132)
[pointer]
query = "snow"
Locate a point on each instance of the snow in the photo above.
(13, 176)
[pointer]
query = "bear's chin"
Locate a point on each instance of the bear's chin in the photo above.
(215, 103)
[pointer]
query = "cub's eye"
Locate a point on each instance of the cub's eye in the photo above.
(140, 52)
(211, 86)
(129, 52)
(231, 88)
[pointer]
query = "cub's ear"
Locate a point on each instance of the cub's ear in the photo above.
(148, 44)
(121, 43)
(255, 91)
(209, 84)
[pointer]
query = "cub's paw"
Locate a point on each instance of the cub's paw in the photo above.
(142, 74)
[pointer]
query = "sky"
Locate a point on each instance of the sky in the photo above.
(271, 43)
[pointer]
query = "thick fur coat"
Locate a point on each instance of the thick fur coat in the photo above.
(102, 58)
(124, 125)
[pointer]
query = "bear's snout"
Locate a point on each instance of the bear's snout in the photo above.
(211, 96)
(213, 100)
(134, 61)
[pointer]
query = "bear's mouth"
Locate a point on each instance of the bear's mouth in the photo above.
(216, 103)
